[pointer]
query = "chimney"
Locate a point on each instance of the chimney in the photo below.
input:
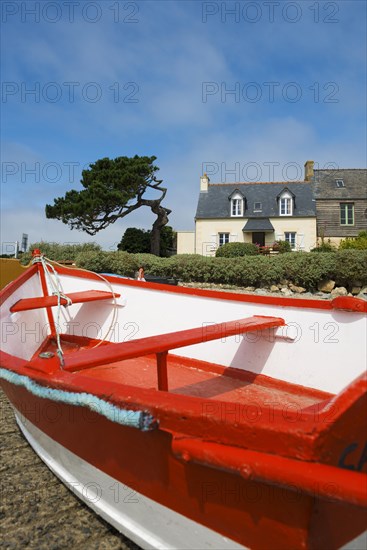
(309, 170)
(204, 182)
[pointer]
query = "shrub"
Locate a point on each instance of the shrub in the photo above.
(250, 271)
(153, 265)
(59, 252)
(282, 246)
(233, 250)
(358, 243)
(324, 247)
(350, 266)
(123, 263)
(305, 269)
(191, 267)
(99, 262)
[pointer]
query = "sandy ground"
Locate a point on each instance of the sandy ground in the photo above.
(36, 510)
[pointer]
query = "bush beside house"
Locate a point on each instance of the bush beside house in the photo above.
(358, 243)
(233, 250)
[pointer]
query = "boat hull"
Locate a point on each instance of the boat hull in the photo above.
(134, 480)
(141, 519)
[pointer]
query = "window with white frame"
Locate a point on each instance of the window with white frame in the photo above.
(236, 205)
(346, 213)
(290, 237)
(223, 238)
(285, 204)
(258, 207)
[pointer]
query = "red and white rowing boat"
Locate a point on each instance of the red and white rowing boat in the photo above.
(191, 418)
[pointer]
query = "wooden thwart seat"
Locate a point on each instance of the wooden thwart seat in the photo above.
(50, 301)
(162, 343)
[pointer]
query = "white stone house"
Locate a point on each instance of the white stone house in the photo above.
(258, 213)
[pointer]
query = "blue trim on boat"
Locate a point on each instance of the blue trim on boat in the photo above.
(135, 419)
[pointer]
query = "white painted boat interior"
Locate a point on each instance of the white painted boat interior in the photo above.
(321, 349)
(23, 332)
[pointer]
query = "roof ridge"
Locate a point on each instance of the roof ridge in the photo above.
(259, 183)
(337, 169)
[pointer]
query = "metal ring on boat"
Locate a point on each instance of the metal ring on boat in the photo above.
(46, 355)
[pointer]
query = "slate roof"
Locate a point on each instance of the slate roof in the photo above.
(355, 184)
(258, 224)
(215, 202)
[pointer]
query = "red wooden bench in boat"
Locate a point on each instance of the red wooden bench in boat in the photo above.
(162, 343)
(50, 301)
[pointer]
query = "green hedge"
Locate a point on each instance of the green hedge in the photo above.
(301, 268)
(345, 267)
(59, 252)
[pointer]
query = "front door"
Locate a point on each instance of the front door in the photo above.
(258, 238)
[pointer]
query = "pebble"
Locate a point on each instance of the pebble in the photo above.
(273, 290)
(339, 291)
(286, 291)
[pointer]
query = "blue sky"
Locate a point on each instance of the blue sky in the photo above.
(242, 90)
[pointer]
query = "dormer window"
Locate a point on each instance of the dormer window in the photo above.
(286, 203)
(339, 183)
(285, 206)
(237, 204)
(258, 207)
(237, 207)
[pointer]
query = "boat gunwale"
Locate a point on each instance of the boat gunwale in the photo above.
(136, 397)
(156, 400)
(175, 413)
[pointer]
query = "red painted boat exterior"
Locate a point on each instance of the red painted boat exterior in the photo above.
(288, 473)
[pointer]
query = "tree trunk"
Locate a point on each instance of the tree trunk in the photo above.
(161, 221)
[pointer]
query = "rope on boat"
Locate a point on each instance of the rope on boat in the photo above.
(114, 315)
(110, 287)
(141, 420)
(58, 291)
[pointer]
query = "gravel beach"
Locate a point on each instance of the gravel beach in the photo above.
(36, 510)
